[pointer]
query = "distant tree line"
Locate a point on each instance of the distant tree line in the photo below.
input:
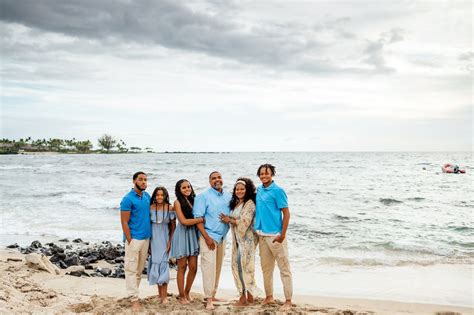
(106, 144)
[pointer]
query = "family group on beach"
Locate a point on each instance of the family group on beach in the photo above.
(255, 217)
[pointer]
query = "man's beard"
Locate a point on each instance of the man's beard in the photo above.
(139, 188)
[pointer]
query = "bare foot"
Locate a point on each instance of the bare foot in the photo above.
(285, 307)
(209, 305)
(240, 304)
(214, 299)
(136, 306)
(250, 298)
(188, 297)
(268, 300)
(164, 301)
(183, 300)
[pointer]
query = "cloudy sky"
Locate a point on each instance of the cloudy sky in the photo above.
(240, 75)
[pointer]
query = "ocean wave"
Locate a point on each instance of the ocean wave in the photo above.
(374, 262)
(461, 228)
(389, 201)
(469, 245)
(305, 231)
(52, 194)
(464, 205)
(16, 167)
(391, 246)
(344, 218)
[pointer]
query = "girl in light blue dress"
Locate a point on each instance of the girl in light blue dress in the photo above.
(185, 245)
(163, 223)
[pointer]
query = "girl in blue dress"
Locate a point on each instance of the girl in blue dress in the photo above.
(163, 223)
(185, 245)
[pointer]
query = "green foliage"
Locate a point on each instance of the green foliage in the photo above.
(107, 142)
(27, 145)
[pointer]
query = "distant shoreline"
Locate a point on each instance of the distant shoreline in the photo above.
(99, 152)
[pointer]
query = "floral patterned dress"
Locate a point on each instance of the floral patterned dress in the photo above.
(244, 244)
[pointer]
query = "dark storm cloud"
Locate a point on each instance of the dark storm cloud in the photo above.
(151, 22)
(175, 26)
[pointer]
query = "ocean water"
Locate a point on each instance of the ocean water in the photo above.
(372, 225)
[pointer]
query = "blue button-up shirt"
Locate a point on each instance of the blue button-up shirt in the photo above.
(139, 207)
(268, 215)
(210, 204)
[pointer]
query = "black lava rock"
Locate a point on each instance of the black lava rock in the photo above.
(119, 260)
(75, 273)
(56, 250)
(13, 246)
(72, 260)
(46, 251)
(57, 257)
(120, 274)
(62, 264)
(109, 253)
(89, 267)
(105, 271)
(77, 240)
(36, 244)
(64, 240)
(27, 250)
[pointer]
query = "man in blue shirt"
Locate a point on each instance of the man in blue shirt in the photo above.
(210, 204)
(136, 226)
(272, 217)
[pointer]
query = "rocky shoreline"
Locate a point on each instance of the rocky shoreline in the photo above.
(80, 258)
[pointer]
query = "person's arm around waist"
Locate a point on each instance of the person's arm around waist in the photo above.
(182, 219)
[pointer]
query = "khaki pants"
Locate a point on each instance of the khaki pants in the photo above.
(211, 265)
(269, 253)
(136, 254)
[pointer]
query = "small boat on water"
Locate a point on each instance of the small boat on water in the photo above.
(450, 168)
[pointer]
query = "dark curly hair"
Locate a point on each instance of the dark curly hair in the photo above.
(183, 201)
(269, 167)
(166, 199)
(250, 192)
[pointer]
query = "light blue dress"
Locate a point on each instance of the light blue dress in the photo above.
(185, 241)
(158, 266)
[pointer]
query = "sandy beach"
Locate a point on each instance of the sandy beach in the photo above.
(25, 289)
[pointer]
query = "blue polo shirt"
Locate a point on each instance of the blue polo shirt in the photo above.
(268, 215)
(139, 207)
(210, 204)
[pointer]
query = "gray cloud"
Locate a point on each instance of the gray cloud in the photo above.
(375, 49)
(467, 58)
(165, 23)
(175, 26)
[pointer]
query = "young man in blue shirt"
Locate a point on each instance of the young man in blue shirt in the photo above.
(272, 217)
(210, 204)
(135, 219)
